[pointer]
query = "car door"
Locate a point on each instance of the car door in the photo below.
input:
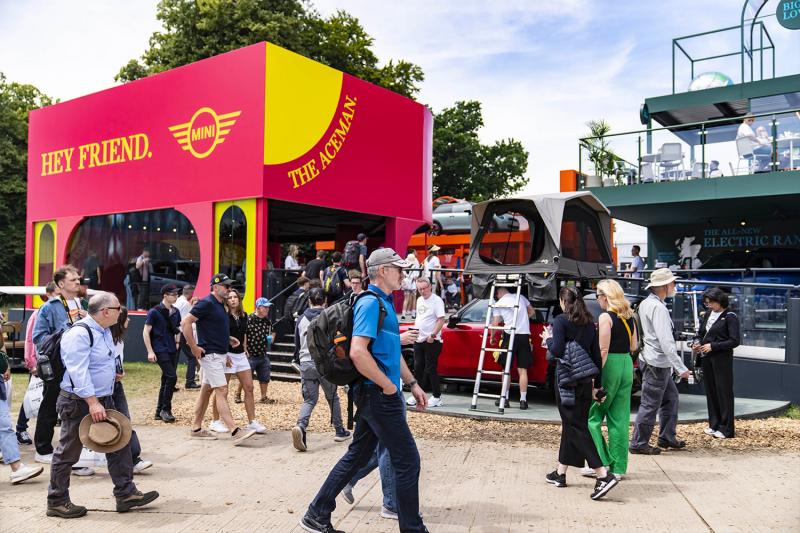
(461, 217)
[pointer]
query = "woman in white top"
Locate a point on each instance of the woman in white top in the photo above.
(409, 286)
(290, 263)
(760, 144)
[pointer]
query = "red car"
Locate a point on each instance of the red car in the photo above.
(461, 349)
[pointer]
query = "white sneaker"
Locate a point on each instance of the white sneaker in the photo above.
(386, 513)
(83, 472)
(619, 477)
(411, 401)
(218, 426)
(709, 431)
(588, 472)
(25, 472)
(256, 426)
(141, 465)
(91, 459)
(719, 435)
(44, 459)
(435, 402)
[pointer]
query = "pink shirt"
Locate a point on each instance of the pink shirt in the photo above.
(30, 350)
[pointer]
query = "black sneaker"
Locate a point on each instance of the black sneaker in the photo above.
(299, 439)
(190, 386)
(137, 499)
(603, 485)
(497, 403)
(554, 478)
(23, 437)
(158, 416)
(647, 450)
(166, 416)
(312, 526)
(678, 445)
(68, 510)
(523, 404)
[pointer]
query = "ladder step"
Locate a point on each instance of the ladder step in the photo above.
(492, 372)
(488, 395)
(498, 328)
(496, 349)
(495, 306)
(506, 285)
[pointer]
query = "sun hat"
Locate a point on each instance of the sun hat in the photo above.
(661, 277)
(434, 248)
(108, 436)
(387, 256)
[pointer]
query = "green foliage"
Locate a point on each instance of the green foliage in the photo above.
(197, 29)
(792, 412)
(16, 101)
(465, 168)
(600, 155)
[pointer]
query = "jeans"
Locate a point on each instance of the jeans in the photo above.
(169, 377)
(381, 460)
(381, 418)
(8, 440)
(22, 420)
(311, 383)
(121, 403)
(46, 421)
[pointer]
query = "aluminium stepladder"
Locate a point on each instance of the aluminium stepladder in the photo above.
(508, 281)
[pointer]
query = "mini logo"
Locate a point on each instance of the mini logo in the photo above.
(204, 131)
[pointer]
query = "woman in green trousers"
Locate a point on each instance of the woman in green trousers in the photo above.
(618, 338)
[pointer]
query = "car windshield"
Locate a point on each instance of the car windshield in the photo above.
(475, 311)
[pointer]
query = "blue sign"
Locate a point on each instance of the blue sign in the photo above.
(788, 14)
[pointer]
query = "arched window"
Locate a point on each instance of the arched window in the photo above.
(232, 246)
(47, 245)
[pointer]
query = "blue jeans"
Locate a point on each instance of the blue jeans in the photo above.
(381, 419)
(381, 460)
(8, 440)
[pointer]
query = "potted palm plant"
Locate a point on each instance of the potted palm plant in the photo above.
(600, 155)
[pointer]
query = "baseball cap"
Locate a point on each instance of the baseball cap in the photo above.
(387, 256)
(361, 237)
(169, 288)
(221, 279)
(264, 302)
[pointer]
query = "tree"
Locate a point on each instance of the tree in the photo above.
(197, 29)
(16, 101)
(465, 168)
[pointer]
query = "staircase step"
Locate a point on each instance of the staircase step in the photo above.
(283, 376)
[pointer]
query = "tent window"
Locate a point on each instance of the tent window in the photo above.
(508, 238)
(581, 236)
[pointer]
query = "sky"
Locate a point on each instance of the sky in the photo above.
(541, 69)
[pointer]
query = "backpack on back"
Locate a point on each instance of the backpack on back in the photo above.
(351, 252)
(329, 336)
(49, 366)
(333, 282)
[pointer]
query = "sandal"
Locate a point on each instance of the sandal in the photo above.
(266, 400)
(238, 399)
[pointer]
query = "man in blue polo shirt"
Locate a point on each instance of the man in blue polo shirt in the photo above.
(160, 333)
(211, 351)
(381, 415)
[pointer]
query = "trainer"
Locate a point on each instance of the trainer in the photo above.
(87, 351)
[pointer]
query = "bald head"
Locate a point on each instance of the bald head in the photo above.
(104, 308)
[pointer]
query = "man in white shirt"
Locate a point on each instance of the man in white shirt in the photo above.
(429, 321)
(521, 351)
(637, 263)
(760, 145)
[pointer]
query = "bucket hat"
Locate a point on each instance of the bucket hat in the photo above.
(661, 277)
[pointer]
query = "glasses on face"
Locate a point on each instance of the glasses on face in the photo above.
(599, 294)
(117, 308)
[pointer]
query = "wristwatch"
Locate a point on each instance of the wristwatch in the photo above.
(412, 383)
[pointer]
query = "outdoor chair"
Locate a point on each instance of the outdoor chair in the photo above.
(744, 146)
(647, 175)
(671, 160)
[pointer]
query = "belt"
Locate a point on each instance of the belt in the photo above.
(72, 396)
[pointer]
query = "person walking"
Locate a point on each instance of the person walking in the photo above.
(311, 381)
(618, 338)
(211, 351)
(184, 304)
(257, 343)
(719, 334)
(430, 321)
(657, 362)
(574, 331)
(375, 352)
(410, 286)
(118, 331)
(87, 389)
(161, 337)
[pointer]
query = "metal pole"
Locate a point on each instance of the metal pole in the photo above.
(673, 68)
(703, 149)
(774, 162)
(793, 331)
(639, 174)
(649, 136)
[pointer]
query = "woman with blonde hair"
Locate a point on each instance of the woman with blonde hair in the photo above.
(618, 338)
(291, 260)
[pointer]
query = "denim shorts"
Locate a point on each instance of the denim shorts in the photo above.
(261, 367)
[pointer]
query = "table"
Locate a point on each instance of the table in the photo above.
(793, 141)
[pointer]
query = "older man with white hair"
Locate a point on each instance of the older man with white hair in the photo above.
(87, 350)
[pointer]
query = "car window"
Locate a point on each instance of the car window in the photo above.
(460, 208)
(442, 209)
(476, 312)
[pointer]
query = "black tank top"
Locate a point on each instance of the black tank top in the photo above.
(620, 342)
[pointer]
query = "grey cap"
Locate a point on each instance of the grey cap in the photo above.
(386, 256)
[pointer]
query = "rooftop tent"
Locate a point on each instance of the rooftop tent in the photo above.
(545, 237)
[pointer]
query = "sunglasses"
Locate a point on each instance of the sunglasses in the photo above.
(114, 308)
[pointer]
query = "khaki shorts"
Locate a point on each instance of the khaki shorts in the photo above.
(213, 366)
(240, 363)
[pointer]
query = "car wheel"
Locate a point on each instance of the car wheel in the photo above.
(436, 228)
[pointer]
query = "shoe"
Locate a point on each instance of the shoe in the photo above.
(267, 400)
(299, 439)
(588, 472)
(84, 471)
(24, 438)
(647, 450)
(411, 401)
(312, 526)
(256, 426)
(157, 416)
(91, 459)
(554, 478)
(523, 404)
(25, 472)
(719, 435)
(347, 494)
(388, 513)
(435, 402)
(497, 403)
(240, 435)
(176, 389)
(137, 499)
(202, 434)
(618, 476)
(167, 417)
(237, 399)
(678, 445)
(218, 426)
(709, 431)
(341, 435)
(192, 386)
(45, 459)
(603, 486)
(141, 465)
(68, 510)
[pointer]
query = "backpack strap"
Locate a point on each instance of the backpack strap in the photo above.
(88, 330)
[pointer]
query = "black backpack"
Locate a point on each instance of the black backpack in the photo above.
(49, 366)
(329, 336)
(352, 250)
(333, 282)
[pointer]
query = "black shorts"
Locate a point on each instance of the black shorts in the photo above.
(521, 351)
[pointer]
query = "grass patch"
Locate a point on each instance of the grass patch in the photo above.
(792, 412)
